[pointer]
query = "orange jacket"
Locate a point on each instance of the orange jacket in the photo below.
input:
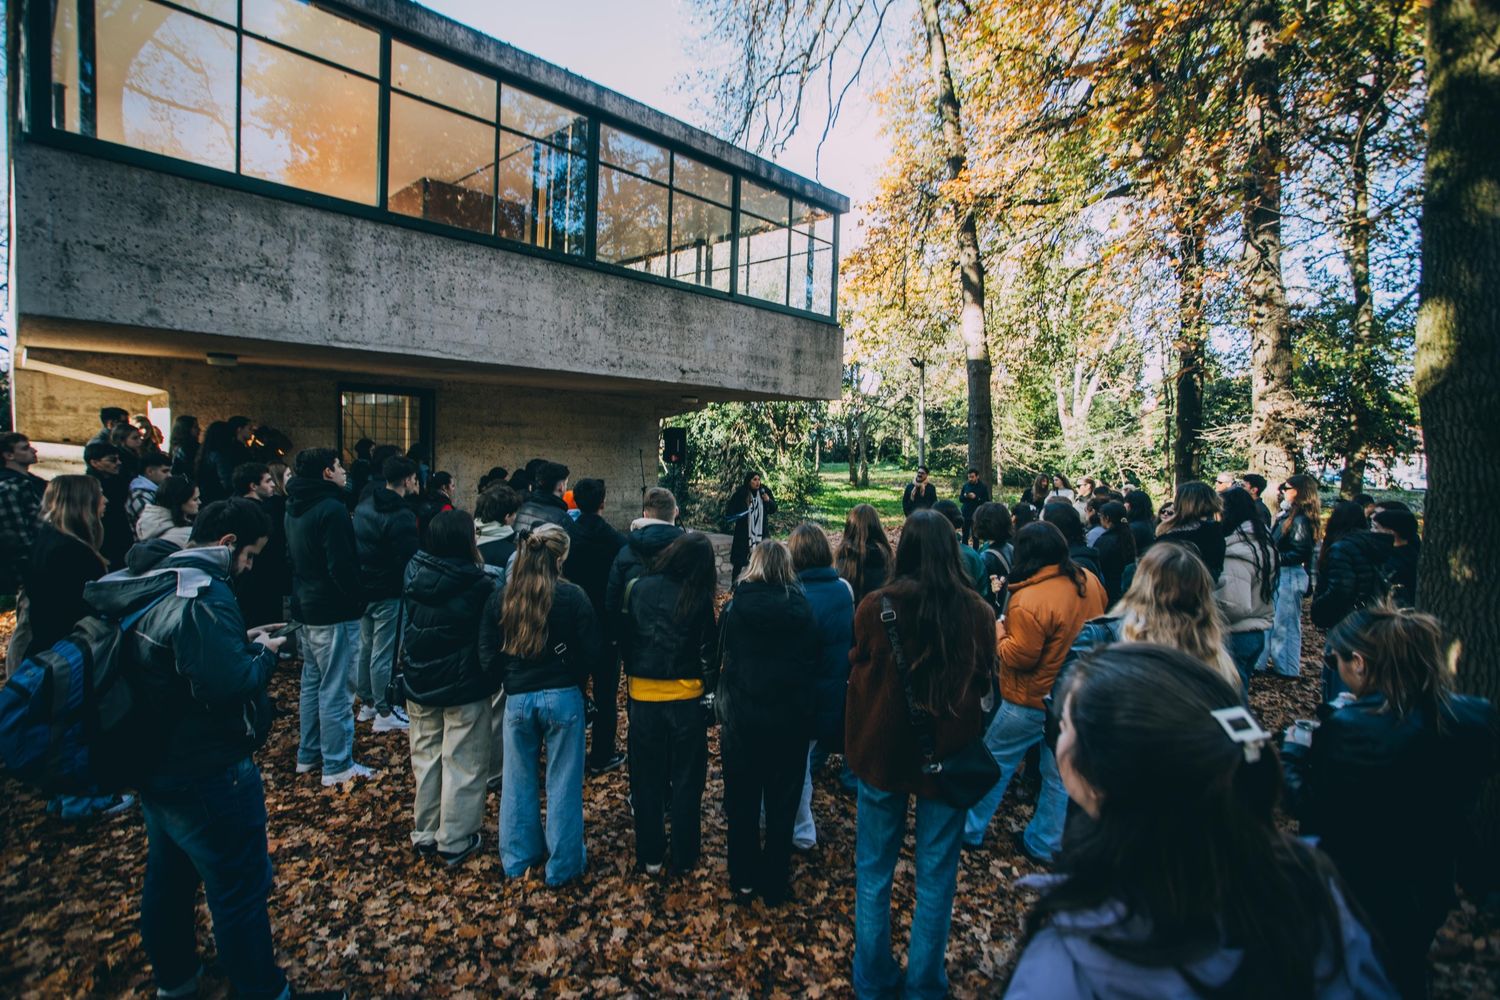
(1043, 618)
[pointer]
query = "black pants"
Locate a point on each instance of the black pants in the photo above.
(605, 685)
(668, 766)
(761, 769)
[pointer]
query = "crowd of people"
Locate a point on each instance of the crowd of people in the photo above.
(1112, 643)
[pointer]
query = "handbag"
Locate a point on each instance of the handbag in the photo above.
(965, 777)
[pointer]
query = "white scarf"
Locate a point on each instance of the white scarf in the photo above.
(757, 518)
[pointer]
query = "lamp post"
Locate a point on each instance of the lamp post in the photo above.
(921, 365)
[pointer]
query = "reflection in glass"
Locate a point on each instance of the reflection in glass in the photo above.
(701, 241)
(811, 273)
(636, 155)
(542, 195)
(223, 10)
(305, 27)
(704, 181)
(440, 165)
(763, 202)
(146, 76)
(307, 125)
(632, 222)
(417, 72)
(544, 120)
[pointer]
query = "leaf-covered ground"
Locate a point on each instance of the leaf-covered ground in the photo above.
(353, 906)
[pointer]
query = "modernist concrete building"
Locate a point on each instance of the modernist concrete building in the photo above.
(361, 219)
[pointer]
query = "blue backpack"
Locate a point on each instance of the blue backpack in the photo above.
(66, 713)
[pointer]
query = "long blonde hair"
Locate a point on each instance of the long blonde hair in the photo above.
(771, 562)
(529, 590)
(1171, 602)
(71, 505)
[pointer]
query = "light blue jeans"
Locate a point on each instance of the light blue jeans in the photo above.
(554, 719)
(1245, 649)
(879, 832)
(325, 707)
(1013, 731)
(379, 637)
(805, 829)
(1285, 640)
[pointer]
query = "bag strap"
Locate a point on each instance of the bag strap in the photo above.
(921, 722)
(625, 600)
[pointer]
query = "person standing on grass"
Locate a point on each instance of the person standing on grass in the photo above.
(386, 538)
(749, 511)
(974, 492)
(919, 494)
(947, 635)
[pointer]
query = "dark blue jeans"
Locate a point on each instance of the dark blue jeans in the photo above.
(212, 830)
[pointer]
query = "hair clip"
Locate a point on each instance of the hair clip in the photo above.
(1241, 727)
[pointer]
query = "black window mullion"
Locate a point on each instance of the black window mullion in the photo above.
(591, 196)
(239, 81)
(439, 105)
(88, 81)
(734, 235)
(833, 276)
(788, 298)
(316, 58)
(495, 170)
(671, 176)
(383, 125)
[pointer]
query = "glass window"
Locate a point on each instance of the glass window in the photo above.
(812, 259)
(540, 119)
(219, 10)
(702, 238)
(307, 125)
(636, 155)
(763, 263)
(146, 76)
(542, 195)
(632, 222)
(701, 180)
(316, 32)
(417, 72)
(403, 419)
(763, 202)
(441, 166)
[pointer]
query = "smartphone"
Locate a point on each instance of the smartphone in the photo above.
(286, 630)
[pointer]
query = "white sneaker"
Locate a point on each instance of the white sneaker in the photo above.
(366, 713)
(348, 774)
(306, 768)
(394, 721)
(653, 869)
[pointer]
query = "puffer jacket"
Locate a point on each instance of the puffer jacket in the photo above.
(324, 556)
(539, 509)
(156, 522)
(770, 652)
(570, 623)
(1353, 577)
(385, 535)
(1205, 538)
(642, 546)
(204, 685)
(443, 603)
(1294, 537)
(832, 603)
(1239, 594)
(1043, 618)
(658, 646)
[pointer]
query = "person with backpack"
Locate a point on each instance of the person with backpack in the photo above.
(940, 674)
(448, 688)
(973, 565)
(650, 533)
(386, 538)
(770, 650)
(668, 640)
(538, 635)
(1183, 886)
(592, 547)
(201, 679)
(992, 530)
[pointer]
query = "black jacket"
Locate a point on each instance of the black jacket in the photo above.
(915, 498)
(442, 607)
(658, 646)
(1088, 557)
(119, 535)
(570, 623)
(642, 546)
(771, 652)
(971, 495)
(592, 547)
(1353, 576)
(385, 534)
(20, 501)
(875, 573)
(542, 508)
(261, 589)
(1206, 538)
(1145, 536)
(1401, 574)
(1293, 535)
(1390, 797)
(320, 546)
(1112, 560)
(54, 578)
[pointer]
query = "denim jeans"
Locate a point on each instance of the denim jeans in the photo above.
(1245, 649)
(879, 831)
(379, 641)
(553, 718)
(326, 707)
(450, 763)
(1013, 731)
(805, 829)
(1285, 640)
(209, 830)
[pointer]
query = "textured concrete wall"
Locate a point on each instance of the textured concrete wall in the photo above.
(101, 241)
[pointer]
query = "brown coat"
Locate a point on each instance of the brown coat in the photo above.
(880, 745)
(1043, 618)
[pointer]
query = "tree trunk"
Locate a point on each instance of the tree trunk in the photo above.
(1274, 449)
(1458, 356)
(1191, 348)
(970, 261)
(1352, 479)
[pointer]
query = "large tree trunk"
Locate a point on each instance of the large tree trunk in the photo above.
(970, 262)
(1191, 347)
(1274, 450)
(1458, 353)
(1357, 240)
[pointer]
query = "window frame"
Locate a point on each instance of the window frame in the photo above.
(426, 412)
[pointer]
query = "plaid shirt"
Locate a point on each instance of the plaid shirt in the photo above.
(20, 501)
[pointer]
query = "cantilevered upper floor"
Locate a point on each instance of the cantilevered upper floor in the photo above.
(368, 175)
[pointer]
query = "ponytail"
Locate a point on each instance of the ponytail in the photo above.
(529, 591)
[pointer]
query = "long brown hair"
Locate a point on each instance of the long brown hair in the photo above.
(808, 544)
(862, 529)
(528, 591)
(1404, 653)
(71, 505)
(1194, 502)
(1308, 503)
(1171, 603)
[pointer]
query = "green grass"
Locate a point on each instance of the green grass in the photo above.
(830, 505)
